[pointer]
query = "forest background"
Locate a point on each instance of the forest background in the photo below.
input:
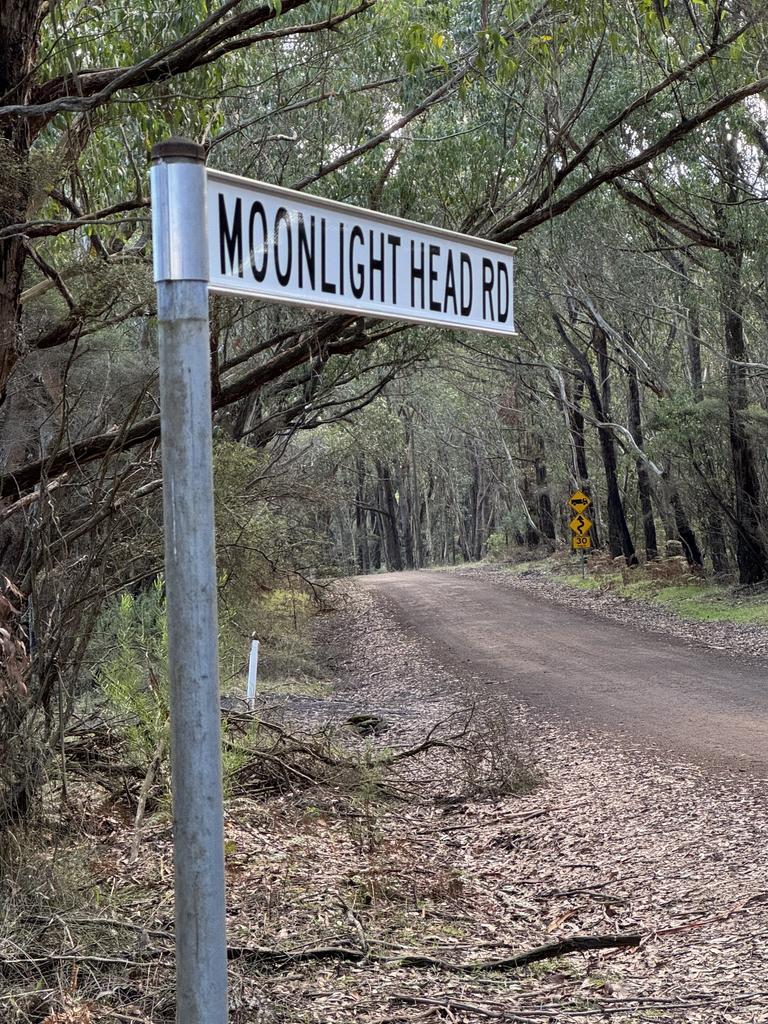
(621, 147)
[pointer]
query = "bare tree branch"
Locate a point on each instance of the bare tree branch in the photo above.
(213, 38)
(50, 228)
(513, 228)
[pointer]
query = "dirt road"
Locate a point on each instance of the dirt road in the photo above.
(702, 704)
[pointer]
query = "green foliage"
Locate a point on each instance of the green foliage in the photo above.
(131, 655)
(713, 604)
(497, 547)
(282, 619)
(266, 545)
(539, 81)
(377, 432)
(699, 601)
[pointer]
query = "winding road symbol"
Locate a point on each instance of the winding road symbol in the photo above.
(581, 525)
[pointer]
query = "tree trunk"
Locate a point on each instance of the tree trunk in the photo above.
(751, 554)
(19, 32)
(576, 427)
(429, 525)
(716, 540)
(713, 518)
(685, 531)
(544, 502)
(389, 520)
(619, 539)
(683, 526)
(361, 521)
(403, 506)
(694, 353)
(473, 509)
(417, 505)
(643, 479)
(532, 535)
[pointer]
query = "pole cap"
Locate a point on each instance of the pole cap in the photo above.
(177, 148)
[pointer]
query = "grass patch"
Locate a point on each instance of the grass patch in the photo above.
(713, 604)
(590, 583)
(698, 602)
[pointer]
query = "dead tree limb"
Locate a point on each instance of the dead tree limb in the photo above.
(562, 947)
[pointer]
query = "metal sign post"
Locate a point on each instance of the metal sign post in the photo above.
(240, 237)
(580, 526)
(181, 276)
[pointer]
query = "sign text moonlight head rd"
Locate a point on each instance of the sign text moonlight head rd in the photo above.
(285, 246)
(216, 232)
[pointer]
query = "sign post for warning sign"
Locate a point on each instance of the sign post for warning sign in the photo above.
(218, 232)
(580, 526)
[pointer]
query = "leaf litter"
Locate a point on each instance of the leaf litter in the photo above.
(515, 834)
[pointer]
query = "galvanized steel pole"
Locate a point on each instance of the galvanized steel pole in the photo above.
(179, 226)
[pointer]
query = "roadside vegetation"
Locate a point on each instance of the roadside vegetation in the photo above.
(319, 862)
(632, 185)
(670, 585)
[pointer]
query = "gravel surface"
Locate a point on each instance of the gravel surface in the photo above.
(614, 841)
(731, 637)
(591, 672)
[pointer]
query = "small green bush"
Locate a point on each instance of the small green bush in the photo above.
(497, 547)
(131, 649)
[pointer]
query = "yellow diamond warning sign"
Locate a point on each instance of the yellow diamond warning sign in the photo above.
(579, 501)
(581, 543)
(580, 525)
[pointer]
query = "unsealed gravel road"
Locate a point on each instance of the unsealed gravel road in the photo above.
(706, 705)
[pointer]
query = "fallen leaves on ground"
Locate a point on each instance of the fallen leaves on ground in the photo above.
(610, 841)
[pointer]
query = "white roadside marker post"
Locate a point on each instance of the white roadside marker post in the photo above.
(179, 228)
(253, 672)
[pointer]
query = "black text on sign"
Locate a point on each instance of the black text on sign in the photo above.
(288, 247)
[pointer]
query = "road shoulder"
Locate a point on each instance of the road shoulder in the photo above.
(736, 639)
(614, 841)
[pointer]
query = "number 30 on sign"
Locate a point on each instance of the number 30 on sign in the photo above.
(581, 543)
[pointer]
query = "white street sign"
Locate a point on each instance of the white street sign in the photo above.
(286, 246)
(283, 246)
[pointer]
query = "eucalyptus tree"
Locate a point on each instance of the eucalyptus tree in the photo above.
(498, 117)
(542, 81)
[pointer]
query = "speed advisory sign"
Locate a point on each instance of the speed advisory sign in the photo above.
(286, 246)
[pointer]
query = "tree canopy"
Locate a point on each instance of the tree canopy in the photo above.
(622, 147)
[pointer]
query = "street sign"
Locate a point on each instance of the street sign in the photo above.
(286, 246)
(580, 525)
(581, 543)
(215, 232)
(579, 501)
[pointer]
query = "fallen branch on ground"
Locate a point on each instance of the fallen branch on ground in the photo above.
(556, 1011)
(351, 954)
(573, 944)
(462, 1007)
(278, 760)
